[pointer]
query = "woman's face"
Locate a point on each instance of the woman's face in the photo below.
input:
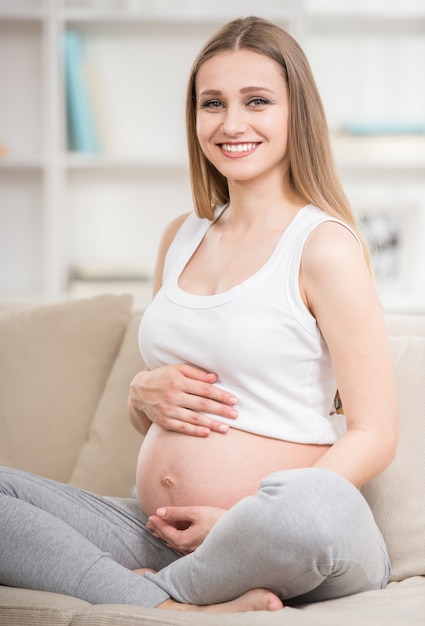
(242, 115)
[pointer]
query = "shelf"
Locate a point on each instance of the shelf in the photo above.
(21, 233)
(21, 106)
(140, 289)
(24, 16)
(382, 9)
(106, 162)
(325, 24)
(191, 12)
(24, 163)
(366, 16)
(387, 152)
(402, 302)
(127, 18)
(23, 10)
(12, 10)
(64, 210)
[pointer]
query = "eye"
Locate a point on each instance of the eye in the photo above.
(257, 102)
(211, 104)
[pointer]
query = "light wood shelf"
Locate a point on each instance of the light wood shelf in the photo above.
(108, 209)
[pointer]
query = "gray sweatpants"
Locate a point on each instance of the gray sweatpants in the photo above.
(307, 535)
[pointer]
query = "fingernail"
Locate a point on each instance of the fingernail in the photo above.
(233, 414)
(233, 400)
(160, 512)
(223, 428)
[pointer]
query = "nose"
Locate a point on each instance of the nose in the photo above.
(233, 122)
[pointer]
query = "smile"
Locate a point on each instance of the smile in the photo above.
(238, 147)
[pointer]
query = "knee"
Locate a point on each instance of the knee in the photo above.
(310, 483)
(315, 501)
(9, 478)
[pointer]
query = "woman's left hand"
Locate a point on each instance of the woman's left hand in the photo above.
(184, 528)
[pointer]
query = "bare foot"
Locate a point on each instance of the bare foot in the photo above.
(142, 570)
(254, 600)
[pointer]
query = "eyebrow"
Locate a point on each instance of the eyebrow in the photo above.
(244, 90)
(256, 88)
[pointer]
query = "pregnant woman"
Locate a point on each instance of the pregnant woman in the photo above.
(264, 306)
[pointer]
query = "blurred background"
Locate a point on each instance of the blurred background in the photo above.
(92, 140)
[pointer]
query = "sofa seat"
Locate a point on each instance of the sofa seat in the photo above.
(400, 604)
(86, 352)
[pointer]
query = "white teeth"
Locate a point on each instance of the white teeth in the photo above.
(240, 147)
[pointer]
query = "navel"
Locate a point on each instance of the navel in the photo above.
(167, 482)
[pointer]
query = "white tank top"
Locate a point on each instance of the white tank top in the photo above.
(258, 336)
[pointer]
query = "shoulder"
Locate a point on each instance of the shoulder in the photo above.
(171, 230)
(333, 264)
(167, 238)
(332, 246)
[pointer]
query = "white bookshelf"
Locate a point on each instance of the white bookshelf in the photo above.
(75, 224)
(367, 58)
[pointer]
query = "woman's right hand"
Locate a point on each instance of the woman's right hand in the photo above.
(184, 528)
(176, 397)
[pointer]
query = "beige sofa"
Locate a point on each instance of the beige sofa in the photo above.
(64, 374)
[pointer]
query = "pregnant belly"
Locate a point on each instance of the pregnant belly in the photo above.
(218, 470)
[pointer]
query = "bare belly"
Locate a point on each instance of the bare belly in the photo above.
(218, 470)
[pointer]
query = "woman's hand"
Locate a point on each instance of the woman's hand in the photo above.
(184, 528)
(176, 396)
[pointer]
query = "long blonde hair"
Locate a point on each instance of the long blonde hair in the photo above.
(312, 170)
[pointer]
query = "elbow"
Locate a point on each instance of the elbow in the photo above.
(392, 436)
(137, 418)
(387, 448)
(130, 413)
(390, 449)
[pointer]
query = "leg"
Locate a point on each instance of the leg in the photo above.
(306, 535)
(58, 538)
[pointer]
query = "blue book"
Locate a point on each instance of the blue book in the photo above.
(82, 129)
(386, 128)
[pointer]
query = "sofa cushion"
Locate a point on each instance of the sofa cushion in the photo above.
(397, 496)
(400, 604)
(54, 362)
(405, 324)
(107, 461)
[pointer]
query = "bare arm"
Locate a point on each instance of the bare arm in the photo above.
(339, 291)
(136, 413)
(176, 396)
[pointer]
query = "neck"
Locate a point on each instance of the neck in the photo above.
(253, 206)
